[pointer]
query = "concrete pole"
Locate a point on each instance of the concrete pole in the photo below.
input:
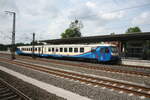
(33, 56)
(13, 34)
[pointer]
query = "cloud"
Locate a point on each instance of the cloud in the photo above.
(91, 4)
(112, 16)
(49, 18)
(143, 18)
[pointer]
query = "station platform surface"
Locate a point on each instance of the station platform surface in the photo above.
(136, 62)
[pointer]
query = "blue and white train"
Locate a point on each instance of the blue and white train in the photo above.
(98, 52)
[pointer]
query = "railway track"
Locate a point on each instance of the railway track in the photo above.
(83, 65)
(8, 92)
(132, 89)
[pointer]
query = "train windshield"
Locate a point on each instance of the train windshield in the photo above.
(114, 49)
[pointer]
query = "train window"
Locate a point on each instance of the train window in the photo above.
(56, 49)
(52, 49)
(31, 49)
(65, 49)
(114, 49)
(102, 50)
(35, 49)
(106, 50)
(61, 50)
(49, 49)
(75, 49)
(81, 49)
(70, 49)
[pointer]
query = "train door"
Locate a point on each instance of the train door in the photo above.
(39, 51)
(104, 54)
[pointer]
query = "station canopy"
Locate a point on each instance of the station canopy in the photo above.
(101, 38)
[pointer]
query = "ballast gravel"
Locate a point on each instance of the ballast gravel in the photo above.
(117, 76)
(95, 93)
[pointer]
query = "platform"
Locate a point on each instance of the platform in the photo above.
(136, 62)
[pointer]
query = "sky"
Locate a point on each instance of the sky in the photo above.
(49, 18)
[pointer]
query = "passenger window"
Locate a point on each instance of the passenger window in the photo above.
(49, 49)
(61, 50)
(35, 49)
(52, 49)
(65, 49)
(56, 49)
(70, 49)
(75, 49)
(81, 49)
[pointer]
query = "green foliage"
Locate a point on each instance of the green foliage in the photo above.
(133, 29)
(73, 30)
(112, 33)
(71, 33)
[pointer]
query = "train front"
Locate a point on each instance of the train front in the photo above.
(115, 57)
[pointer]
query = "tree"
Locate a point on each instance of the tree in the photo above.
(133, 29)
(113, 33)
(73, 30)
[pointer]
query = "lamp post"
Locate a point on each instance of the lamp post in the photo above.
(13, 34)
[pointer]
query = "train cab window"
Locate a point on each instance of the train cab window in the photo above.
(106, 50)
(65, 49)
(49, 49)
(81, 49)
(61, 50)
(102, 50)
(56, 49)
(114, 49)
(75, 49)
(53, 49)
(70, 49)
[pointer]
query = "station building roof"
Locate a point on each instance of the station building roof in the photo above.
(101, 38)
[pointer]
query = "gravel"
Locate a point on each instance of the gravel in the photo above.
(31, 91)
(118, 76)
(95, 93)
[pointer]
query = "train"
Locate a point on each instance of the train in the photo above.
(96, 52)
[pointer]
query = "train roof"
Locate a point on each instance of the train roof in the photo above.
(70, 45)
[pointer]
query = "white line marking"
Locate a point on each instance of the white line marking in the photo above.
(114, 84)
(142, 97)
(120, 92)
(96, 86)
(131, 94)
(103, 87)
(139, 90)
(49, 88)
(130, 88)
(122, 86)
